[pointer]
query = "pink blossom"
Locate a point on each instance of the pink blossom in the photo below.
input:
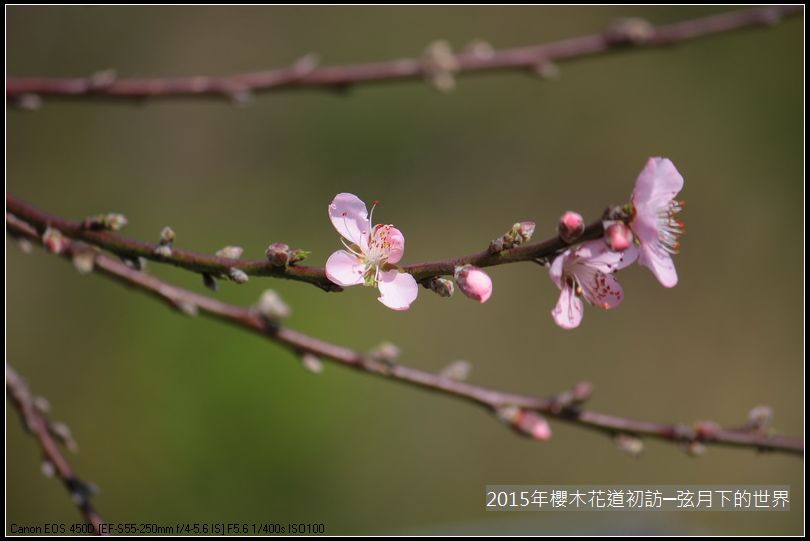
(474, 283)
(370, 254)
(618, 236)
(654, 223)
(535, 426)
(586, 271)
(571, 226)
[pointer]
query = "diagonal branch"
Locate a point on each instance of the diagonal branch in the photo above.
(214, 265)
(37, 423)
(632, 33)
(509, 406)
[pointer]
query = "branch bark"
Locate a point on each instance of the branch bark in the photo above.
(536, 58)
(560, 406)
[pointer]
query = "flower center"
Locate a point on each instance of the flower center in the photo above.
(572, 282)
(669, 227)
(379, 249)
(379, 245)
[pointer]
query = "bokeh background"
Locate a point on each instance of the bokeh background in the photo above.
(186, 419)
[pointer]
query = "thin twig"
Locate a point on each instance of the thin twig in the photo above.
(494, 400)
(535, 58)
(37, 423)
(211, 264)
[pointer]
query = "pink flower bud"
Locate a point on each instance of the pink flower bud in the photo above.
(53, 241)
(534, 425)
(619, 237)
(474, 283)
(571, 226)
(706, 429)
(278, 254)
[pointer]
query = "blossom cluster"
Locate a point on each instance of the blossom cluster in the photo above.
(650, 237)
(647, 232)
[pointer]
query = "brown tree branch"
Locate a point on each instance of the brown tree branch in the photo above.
(211, 264)
(632, 33)
(36, 422)
(509, 406)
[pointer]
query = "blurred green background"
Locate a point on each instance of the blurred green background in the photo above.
(186, 419)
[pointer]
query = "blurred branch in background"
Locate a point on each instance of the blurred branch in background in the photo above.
(439, 65)
(33, 413)
(521, 412)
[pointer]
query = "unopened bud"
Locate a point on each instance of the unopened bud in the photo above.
(102, 79)
(571, 226)
(684, 433)
(84, 260)
(618, 237)
(298, 255)
(760, 417)
(306, 64)
(24, 245)
(519, 233)
(508, 414)
(312, 363)
(548, 70)
(115, 221)
(237, 275)
(65, 435)
(29, 102)
(582, 392)
(167, 235)
(272, 307)
(706, 429)
(534, 425)
(278, 254)
(629, 444)
(239, 95)
(187, 307)
(474, 283)
(694, 448)
(386, 352)
(136, 263)
(53, 241)
(166, 240)
(480, 49)
(48, 469)
(230, 252)
(163, 250)
(526, 422)
(443, 287)
(633, 30)
(523, 231)
(457, 370)
(441, 65)
(41, 404)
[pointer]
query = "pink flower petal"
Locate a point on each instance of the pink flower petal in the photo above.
(568, 312)
(660, 263)
(397, 289)
(657, 183)
(600, 289)
(344, 268)
(349, 216)
(598, 255)
(556, 270)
